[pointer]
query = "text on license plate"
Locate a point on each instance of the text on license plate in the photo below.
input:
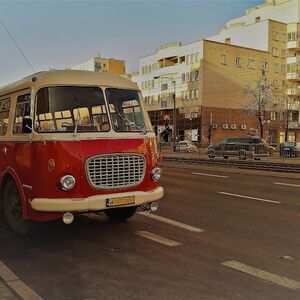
(120, 201)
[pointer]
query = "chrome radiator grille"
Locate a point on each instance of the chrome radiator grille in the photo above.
(115, 171)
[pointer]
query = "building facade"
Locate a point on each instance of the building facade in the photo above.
(99, 64)
(210, 79)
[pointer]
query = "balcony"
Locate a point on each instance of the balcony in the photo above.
(293, 76)
(295, 91)
(293, 59)
(294, 125)
(294, 45)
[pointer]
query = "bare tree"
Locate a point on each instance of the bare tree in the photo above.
(261, 94)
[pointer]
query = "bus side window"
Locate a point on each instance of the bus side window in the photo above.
(22, 112)
(4, 114)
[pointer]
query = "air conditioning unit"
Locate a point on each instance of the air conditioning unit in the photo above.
(215, 125)
(233, 126)
(225, 126)
(243, 127)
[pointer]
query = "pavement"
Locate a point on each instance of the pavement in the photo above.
(6, 293)
(272, 159)
(219, 233)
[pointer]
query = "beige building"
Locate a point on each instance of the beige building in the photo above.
(210, 79)
(99, 64)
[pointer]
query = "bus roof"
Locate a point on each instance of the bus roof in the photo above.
(68, 77)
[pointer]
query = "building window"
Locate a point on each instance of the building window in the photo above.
(192, 58)
(196, 57)
(191, 94)
(164, 86)
(283, 53)
(257, 19)
(264, 65)
(283, 68)
(238, 61)
(276, 68)
(192, 76)
(228, 41)
(251, 63)
(273, 116)
(275, 51)
(187, 77)
(197, 94)
(293, 36)
(196, 75)
(223, 59)
(187, 59)
(275, 36)
(183, 77)
(275, 82)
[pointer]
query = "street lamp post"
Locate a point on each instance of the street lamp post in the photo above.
(173, 80)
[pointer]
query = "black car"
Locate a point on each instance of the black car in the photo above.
(248, 147)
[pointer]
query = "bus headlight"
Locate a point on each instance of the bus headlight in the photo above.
(156, 174)
(67, 182)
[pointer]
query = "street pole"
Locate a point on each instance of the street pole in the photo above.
(174, 113)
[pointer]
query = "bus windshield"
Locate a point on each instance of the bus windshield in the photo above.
(71, 109)
(126, 111)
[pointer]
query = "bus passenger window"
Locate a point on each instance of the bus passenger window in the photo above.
(22, 112)
(4, 114)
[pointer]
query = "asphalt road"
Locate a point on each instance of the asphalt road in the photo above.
(237, 236)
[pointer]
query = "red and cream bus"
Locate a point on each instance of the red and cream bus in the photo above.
(73, 142)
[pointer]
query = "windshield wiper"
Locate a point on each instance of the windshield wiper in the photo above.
(131, 123)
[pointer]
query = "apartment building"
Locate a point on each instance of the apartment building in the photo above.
(209, 78)
(99, 64)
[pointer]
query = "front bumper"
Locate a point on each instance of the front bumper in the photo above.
(93, 203)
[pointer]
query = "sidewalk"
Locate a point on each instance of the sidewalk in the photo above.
(272, 159)
(6, 293)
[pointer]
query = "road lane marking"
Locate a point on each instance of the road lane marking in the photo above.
(171, 222)
(210, 175)
(249, 197)
(157, 238)
(287, 184)
(18, 286)
(277, 279)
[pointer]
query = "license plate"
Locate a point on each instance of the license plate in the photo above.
(120, 201)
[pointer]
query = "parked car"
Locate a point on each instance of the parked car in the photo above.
(186, 146)
(248, 147)
(290, 149)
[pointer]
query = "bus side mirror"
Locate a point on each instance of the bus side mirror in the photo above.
(26, 125)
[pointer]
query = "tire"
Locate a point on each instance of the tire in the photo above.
(242, 155)
(257, 158)
(120, 214)
(13, 212)
(211, 154)
(226, 157)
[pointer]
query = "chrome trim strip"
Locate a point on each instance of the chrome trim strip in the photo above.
(27, 186)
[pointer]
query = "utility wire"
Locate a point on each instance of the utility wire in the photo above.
(16, 44)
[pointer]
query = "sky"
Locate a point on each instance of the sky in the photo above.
(60, 34)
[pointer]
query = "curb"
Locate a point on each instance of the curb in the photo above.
(16, 285)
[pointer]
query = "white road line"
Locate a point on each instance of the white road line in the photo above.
(171, 222)
(248, 197)
(287, 184)
(157, 238)
(210, 175)
(277, 279)
(18, 286)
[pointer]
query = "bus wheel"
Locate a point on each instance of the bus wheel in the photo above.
(13, 212)
(120, 214)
